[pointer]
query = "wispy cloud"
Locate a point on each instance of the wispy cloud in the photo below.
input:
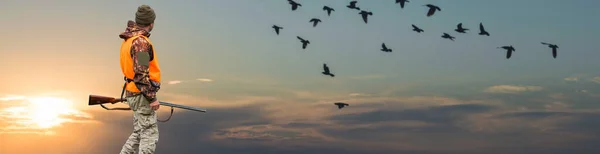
(596, 79)
(511, 89)
(268, 132)
(205, 80)
(358, 94)
(174, 82)
(12, 97)
(557, 106)
(573, 79)
(187, 81)
(557, 96)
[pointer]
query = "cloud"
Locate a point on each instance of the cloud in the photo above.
(511, 89)
(448, 128)
(174, 82)
(555, 122)
(358, 94)
(269, 132)
(180, 81)
(443, 113)
(573, 79)
(11, 98)
(596, 79)
(557, 106)
(205, 80)
(303, 122)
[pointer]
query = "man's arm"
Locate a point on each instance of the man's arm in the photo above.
(141, 52)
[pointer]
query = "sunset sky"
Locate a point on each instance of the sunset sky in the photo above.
(266, 95)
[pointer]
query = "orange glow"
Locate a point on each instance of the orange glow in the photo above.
(40, 113)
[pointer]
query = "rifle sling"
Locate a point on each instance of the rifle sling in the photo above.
(122, 93)
(167, 118)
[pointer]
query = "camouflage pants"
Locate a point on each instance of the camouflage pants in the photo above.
(145, 130)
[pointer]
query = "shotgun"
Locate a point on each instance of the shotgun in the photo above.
(101, 100)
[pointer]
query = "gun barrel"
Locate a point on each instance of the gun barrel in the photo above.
(182, 106)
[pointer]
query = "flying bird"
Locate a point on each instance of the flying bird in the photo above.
(326, 71)
(365, 14)
(460, 29)
(328, 9)
(554, 48)
(294, 4)
(432, 9)
(304, 42)
(482, 30)
(277, 29)
(384, 48)
(417, 29)
(447, 36)
(509, 50)
(352, 5)
(315, 21)
(340, 105)
(402, 2)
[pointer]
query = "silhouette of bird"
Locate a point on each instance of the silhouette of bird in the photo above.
(328, 9)
(402, 2)
(341, 105)
(277, 29)
(554, 48)
(365, 14)
(315, 21)
(447, 36)
(509, 50)
(460, 29)
(304, 42)
(384, 48)
(294, 4)
(432, 9)
(326, 71)
(482, 30)
(352, 5)
(417, 29)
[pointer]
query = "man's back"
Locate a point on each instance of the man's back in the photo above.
(142, 74)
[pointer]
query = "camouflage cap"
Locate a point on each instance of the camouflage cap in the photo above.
(145, 15)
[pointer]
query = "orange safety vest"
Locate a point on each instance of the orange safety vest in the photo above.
(127, 64)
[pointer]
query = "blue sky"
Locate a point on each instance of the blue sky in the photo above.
(72, 46)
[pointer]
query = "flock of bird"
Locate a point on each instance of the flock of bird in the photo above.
(432, 9)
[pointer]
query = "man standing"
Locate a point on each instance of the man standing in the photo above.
(142, 75)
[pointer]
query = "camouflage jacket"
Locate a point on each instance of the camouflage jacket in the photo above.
(141, 68)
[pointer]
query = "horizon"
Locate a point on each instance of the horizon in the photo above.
(265, 94)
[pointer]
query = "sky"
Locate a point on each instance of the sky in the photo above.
(266, 95)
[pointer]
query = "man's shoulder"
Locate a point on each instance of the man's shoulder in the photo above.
(141, 40)
(141, 44)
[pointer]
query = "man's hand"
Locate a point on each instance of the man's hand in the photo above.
(155, 105)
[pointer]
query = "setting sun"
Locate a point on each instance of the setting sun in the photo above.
(46, 111)
(42, 113)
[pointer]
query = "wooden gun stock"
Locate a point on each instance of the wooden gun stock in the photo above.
(96, 100)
